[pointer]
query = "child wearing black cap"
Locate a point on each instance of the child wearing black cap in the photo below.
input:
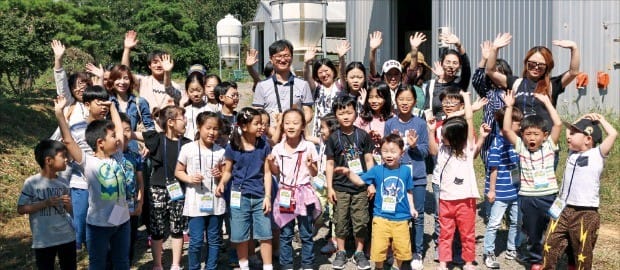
(575, 212)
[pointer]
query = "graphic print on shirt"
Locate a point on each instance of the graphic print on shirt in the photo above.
(393, 186)
(129, 171)
(110, 176)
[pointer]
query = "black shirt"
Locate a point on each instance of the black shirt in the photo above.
(343, 148)
(155, 141)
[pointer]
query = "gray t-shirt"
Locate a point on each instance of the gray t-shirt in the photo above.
(50, 226)
(265, 96)
(106, 188)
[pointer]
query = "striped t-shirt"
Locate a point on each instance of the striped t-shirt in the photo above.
(503, 157)
(537, 165)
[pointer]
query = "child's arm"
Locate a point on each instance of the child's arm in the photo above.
(181, 173)
(312, 165)
(140, 193)
(273, 166)
(72, 147)
(555, 117)
(485, 130)
(97, 72)
(608, 142)
(37, 206)
(129, 43)
(118, 124)
(509, 100)
(226, 175)
(414, 213)
(267, 183)
(502, 40)
(329, 174)
(167, 64)
(369, 160)
(492, 183)
(375, 43)
(355, 179)
(431, 125)
(60, 76)
(469, 117)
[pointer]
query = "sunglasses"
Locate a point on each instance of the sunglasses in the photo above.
(535, 65)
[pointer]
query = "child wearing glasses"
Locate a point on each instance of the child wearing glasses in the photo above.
(228, 96)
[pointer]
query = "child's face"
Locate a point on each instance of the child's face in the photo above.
(178, 123)
(126, 134)
(391, 154)
(292, 125)
(110, 143)
(355, 79)
(516, 126)
(264, 118)
(405, 102)
(533, 138)
(98, 109)
(122, 83)
(195, 92)
(209, 86)
(346, 116)
(209, 131)
(450, 105)
(324, 131)
(375, 101)
(231, 99)
(106, 77)
(58, 163)
(577, 141)
(253, 128)
(325, 75)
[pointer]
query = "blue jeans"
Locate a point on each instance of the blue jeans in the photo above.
(249, 215)
(101, 240)
(456, 243)
(417, 232)
(305, 224)
(197, 227)
(498, 208)
(79, 201)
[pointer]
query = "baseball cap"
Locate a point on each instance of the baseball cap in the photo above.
(197, 68)
(587, 127)
(390, 64)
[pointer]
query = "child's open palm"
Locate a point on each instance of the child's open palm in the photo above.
(412, 138)
(542, 97)
(509, 98)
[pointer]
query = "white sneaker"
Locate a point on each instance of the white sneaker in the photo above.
(418, 262)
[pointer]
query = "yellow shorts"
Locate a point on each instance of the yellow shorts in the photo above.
(384, 231)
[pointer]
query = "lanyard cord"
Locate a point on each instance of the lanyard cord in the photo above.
(542, 159)
(295, 170)
(571, 177)
(349, 141)
(444, 167)
(275, 89)
(400, 166)
(166, 156)
(200, 166)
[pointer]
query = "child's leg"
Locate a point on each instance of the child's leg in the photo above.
(382, 232)
(557, 238)
(214, 240)
(67, 256)
(513, 228)
(79, 202)
(447, 225)
(261, 229)
(241, 221)
(119, 246)
(583, 229)
(305, 234)
(196, 231)
(436, 214)
(286, 245)
(178, 223)
(134, 234)
(535, 220)
(359, 218)
(401, 245)
(498, 208)
(342, 219)
(466, 223)
(45, 257)
(98, 244)
(417, 239)
(159, 221)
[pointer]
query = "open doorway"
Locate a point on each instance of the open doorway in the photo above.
(414, 16)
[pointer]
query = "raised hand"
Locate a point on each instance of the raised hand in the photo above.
(565, 44)
(485, 48)
(167, 63)
(437, 69)
(59, 104)
(375, 40)
(479, 104)
(502, 40)
(310, 54)
(509, 98)
(251, 58)
(92, 69)
(363, 94)
(58, 48)
(131, 39)
(416, 39)
(485, 130)
(412, 138)
(343, 48)
(452, 39)
(542, 97)
(431, 124)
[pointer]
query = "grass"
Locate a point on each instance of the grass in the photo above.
(28, 119)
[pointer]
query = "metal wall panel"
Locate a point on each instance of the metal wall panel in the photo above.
(364, 17)
(535, 22)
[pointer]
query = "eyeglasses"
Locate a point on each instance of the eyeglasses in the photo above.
(235, 96)
(535, 65)
(282, 56)
(449, 104)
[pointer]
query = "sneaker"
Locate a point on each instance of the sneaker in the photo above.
(175, 267)
(360, 260)
(470, 267)
(490, 261)
(510, 254)
(185, 238)
(329, 248)
(340, 260)
(523, 257)
(436, 255)
(418, 262)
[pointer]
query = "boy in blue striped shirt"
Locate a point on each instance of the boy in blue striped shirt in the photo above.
(501, 189)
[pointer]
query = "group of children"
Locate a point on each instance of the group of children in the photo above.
(366, 165)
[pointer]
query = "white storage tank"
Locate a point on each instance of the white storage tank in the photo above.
(229, 39)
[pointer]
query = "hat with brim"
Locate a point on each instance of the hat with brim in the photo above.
(391, 64)
(422, 61)
(588, 128)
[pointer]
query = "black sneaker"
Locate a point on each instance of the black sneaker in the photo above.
(340, 260)
(360, 260)
(490, 261)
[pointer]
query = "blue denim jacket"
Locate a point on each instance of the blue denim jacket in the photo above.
(132, 112)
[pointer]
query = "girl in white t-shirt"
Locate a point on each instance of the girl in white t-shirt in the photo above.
(194, 86)
(457, 180)
(199, 166)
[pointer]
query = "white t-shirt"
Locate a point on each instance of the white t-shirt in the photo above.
(201, 161)
(456, 175)
(585, 178)
(191, 113)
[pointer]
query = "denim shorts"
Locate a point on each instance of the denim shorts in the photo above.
(250, 216)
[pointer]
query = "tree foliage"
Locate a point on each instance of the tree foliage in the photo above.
(185, 29)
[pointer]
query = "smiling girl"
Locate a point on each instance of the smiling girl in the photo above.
(194, 86)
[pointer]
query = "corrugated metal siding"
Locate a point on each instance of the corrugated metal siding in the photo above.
(364, 17)
(534, 22)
